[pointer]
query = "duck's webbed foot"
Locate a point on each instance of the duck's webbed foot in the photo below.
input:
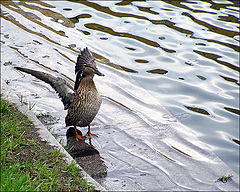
(78, 137)
(89, 134)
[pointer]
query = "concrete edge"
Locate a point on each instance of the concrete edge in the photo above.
(45, 135)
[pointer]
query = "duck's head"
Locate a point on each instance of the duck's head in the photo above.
(91, 70)
(85, 66)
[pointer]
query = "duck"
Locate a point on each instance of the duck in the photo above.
(83, 100)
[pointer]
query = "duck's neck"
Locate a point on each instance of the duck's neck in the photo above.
(86, 83)
(80, 76)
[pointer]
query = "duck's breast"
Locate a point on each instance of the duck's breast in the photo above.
(85, 105)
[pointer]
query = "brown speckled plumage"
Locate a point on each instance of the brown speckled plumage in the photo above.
(83, 101)
(85, 104)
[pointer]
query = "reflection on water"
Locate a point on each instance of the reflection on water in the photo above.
(182, 55)
(86, 155)
(198, 110)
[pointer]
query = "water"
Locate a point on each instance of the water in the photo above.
(163, 63)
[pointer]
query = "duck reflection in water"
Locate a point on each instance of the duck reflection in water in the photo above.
(86, 155)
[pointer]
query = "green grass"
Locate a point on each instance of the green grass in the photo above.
(225, 178)
(29, 164)
(7, 63)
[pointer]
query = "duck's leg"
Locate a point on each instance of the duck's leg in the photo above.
(78, 137)
(89, 134)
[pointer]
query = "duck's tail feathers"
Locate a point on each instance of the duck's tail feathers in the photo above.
(64, 89)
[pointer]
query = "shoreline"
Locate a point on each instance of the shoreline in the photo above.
(8, 94)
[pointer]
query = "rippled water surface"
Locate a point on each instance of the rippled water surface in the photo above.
(164, 63)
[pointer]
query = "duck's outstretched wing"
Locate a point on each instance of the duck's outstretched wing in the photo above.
(84, 58)
(65, 90)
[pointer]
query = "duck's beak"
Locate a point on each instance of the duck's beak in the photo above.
(98, 72)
